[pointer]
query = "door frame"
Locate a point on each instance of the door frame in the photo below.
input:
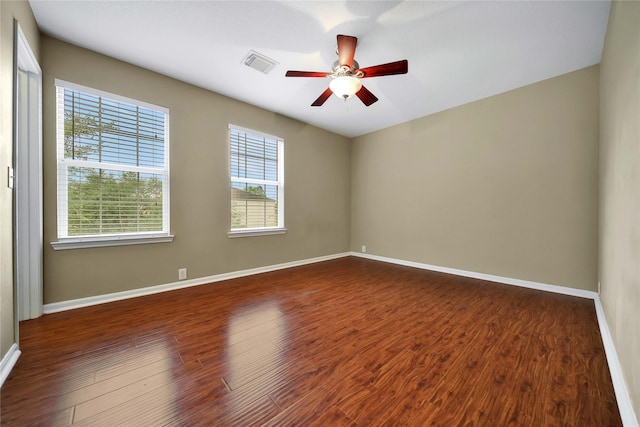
(27, 161)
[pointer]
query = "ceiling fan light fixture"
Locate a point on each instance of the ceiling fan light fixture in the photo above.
(345, 87)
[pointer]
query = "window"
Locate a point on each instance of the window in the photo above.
(257, 183)
(113, 169)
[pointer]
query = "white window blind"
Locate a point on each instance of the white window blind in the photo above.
(113, 165)
(257, 180)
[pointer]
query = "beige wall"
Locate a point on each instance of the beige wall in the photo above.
(316, 185)
(619, 257)
(21, 12)
(506, 185)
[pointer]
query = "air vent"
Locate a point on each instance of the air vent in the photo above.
(259, 62)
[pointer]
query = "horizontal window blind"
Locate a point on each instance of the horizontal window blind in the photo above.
(113, 165)
(257, 190)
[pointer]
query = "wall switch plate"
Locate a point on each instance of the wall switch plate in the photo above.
(10, 177)
(182, 273)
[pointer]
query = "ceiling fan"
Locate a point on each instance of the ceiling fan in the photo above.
(346, 75)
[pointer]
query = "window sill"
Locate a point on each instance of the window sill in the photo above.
(80, 243)
(253, 232)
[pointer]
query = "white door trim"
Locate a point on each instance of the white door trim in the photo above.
(28, 181)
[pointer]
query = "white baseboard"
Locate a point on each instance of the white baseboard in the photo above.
(8, 362)
(491, 278)
(117, 296)
(622, 395)
(615, 369)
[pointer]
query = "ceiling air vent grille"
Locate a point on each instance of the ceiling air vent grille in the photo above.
(259, 62)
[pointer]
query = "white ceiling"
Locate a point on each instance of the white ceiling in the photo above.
(458, 52)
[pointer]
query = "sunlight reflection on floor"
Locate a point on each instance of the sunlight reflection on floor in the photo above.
(134, 383)
(252, 350)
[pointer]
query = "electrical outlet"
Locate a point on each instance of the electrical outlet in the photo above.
(182, 273)
(364, 249)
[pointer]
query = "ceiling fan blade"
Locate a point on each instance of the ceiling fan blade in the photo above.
(398, 67)
(346, 50)
(322, 98)
(365, 96)
(292, 73)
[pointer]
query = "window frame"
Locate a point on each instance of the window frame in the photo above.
(279, 183)
(62, 164)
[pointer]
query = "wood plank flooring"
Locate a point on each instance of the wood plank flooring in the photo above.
(347, 342)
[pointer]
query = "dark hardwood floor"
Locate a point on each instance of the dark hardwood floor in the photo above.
(348, 342)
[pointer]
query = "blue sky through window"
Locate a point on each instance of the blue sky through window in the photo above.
(114, 132)
(254, 157)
